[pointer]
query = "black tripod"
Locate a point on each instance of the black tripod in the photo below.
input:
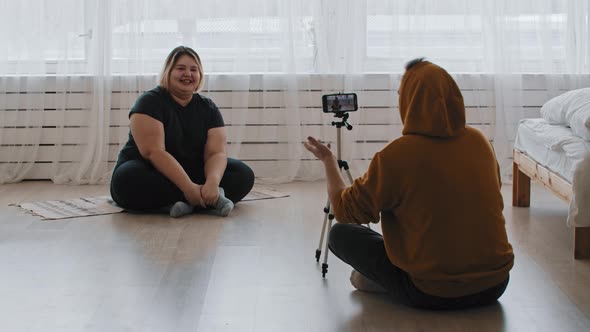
(328, 211)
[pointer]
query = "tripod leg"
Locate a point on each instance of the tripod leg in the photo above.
(329, 216)
(326, 250)
(348, 175)
(318, 251)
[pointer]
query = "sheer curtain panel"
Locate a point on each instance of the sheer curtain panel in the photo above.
(71, 69)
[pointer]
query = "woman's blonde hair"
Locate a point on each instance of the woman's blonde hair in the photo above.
(171, 61)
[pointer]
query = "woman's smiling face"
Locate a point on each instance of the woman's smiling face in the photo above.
(184, 76)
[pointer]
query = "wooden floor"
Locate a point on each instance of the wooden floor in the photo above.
(252, 271)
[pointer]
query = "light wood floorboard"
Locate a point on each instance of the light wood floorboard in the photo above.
(252, 271)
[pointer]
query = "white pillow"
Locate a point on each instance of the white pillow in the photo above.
(579, 120)
(570, 109)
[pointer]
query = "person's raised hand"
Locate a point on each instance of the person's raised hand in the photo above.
(210, 193)
(193, 195)
(321, 151)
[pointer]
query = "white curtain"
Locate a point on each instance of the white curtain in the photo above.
(56, 51)
(502, 40)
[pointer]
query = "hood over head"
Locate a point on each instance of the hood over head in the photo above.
(430, 102)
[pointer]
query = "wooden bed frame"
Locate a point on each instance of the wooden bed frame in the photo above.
(524, 169)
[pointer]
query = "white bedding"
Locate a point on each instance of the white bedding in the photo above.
(570, 109)
(560, 150)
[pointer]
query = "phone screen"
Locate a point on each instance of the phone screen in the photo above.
(339, 102)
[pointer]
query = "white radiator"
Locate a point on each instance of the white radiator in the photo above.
(256, 113)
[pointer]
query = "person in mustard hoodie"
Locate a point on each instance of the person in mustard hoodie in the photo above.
(436, 191)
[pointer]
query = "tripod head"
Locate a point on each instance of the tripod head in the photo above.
(342, 123)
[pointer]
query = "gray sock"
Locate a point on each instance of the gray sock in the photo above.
(180, 209)
(224, 205)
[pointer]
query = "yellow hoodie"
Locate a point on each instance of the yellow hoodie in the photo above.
(437, 189)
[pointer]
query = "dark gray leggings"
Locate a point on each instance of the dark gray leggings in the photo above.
(137, 185)
(364, 250)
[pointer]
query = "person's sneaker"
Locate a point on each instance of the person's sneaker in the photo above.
(362, 283)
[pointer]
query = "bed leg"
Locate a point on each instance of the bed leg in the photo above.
(521, 187)
(582, 243)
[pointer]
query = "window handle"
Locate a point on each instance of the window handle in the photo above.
(87, 34)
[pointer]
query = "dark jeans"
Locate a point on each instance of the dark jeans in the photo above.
(364, 250)
(137, 185)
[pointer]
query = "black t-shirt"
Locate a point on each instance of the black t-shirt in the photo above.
(185, 128)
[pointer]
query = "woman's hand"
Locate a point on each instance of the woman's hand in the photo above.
(210, 193)
(193, 195)
(321, 151)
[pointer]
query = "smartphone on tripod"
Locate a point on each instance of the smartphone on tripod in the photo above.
(339, 102)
